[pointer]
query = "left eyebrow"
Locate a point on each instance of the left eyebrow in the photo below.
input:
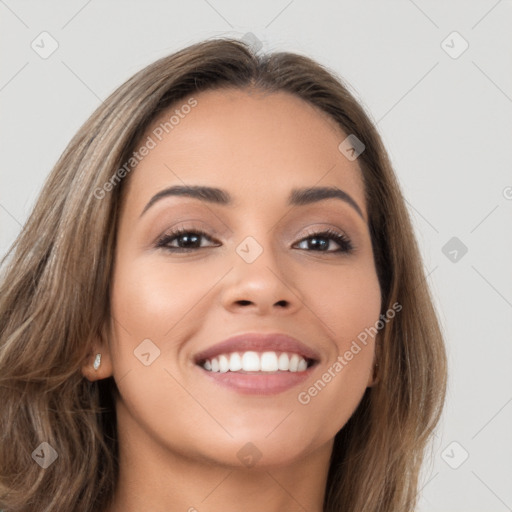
(308, 195)
(298, 196)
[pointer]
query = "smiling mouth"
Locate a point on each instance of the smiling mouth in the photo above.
(258, 363)
(252, 362)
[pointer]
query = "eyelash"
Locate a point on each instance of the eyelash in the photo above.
(346, 246)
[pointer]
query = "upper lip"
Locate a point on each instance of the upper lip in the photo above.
(258, 342)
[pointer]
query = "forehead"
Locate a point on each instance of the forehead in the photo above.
(251, 143)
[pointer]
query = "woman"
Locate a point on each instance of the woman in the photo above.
(218, 303)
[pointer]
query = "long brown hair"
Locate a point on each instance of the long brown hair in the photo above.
(55, 290)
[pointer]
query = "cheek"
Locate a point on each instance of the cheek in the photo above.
(150, 296)
(348, 303)
(347, 300)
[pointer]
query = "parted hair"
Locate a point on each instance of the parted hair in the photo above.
(55, 300)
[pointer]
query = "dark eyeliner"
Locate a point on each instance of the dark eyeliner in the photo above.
(166, 238)
(342, 240)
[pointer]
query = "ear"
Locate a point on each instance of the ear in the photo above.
(98, 346)
(374, 377)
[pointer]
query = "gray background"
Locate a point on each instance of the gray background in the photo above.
(445, 121)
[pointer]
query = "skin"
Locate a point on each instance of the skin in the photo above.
(179, 433)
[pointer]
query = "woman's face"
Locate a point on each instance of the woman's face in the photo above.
(259, 268)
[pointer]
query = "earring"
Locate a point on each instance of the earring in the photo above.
(97, 362)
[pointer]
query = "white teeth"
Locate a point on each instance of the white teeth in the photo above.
(223, 364)
(269, 362)
(251, 361)
(294, 363)
(283, 362)
(235, 362)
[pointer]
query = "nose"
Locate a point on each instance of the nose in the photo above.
(261, 287)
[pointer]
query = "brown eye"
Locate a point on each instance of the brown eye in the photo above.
(185, 240)
(182, 240)
(320, 242)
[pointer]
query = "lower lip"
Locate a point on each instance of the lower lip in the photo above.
(259, 383)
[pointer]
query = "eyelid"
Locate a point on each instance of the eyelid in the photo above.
(190, 224)
(320, 227)
(176, 232)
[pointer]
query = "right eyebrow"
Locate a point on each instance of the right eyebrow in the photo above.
(210, 194)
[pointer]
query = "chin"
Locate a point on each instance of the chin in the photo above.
(256, 448)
